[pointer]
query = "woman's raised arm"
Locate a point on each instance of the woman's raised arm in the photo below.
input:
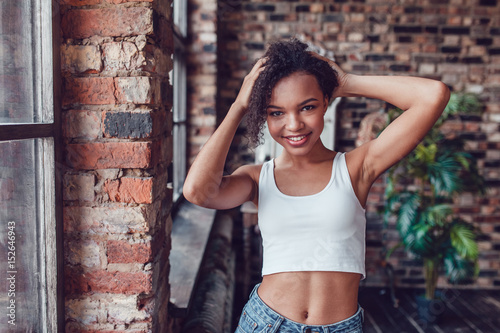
(205, 184)
(423, 101)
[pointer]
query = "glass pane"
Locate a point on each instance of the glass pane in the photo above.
(179, 162)
(179, 86)
(180, 16)
(17, 54)
(19, 250)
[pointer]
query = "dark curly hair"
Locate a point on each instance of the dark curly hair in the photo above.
(283, 59)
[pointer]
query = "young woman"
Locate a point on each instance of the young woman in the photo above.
(310, 199)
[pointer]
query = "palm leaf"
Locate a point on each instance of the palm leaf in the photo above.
(461, 103)
(420, 241)
(407, 213)
(464, 159)
(443, 174)
(436, 215)
(463, 240)
(458, 269)
(426, 153)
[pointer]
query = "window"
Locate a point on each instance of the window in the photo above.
(179, 107)
(27, 169)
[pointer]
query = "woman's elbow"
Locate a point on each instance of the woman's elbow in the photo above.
(191, 193)
(442, 95)
(196, 194)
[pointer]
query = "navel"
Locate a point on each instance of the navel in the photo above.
(306, 314)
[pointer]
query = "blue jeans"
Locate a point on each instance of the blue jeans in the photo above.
(257, 317)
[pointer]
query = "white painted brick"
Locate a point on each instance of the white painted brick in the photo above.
(114, 219)
(120, 56)
(82, 124)
(86, 310)
(83, 252)
(122, 309)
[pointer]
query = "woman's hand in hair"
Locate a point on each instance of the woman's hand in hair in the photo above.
(243, 98)
(342, 76)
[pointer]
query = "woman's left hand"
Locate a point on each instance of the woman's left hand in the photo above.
(342, 77)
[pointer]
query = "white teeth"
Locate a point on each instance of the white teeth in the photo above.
(296, 138)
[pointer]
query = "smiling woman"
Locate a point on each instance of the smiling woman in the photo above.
(310, 199)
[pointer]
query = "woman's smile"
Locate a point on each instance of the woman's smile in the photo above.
(297, 140)
(295, 113)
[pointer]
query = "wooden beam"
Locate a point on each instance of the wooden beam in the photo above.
(25, 131)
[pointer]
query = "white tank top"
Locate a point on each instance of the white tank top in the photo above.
(319, 232)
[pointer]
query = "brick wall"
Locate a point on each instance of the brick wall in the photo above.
(455, 41)
(116, 56)
(202, 73)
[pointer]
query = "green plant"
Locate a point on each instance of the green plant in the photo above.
(420, 191)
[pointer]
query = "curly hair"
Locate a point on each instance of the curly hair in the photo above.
(283, 59)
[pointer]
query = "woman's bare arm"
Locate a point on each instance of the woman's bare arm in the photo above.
(423, 101)
(205, 184)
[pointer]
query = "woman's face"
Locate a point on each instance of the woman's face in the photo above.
(295, 114)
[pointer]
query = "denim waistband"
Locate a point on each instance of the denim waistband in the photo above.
(271, 316)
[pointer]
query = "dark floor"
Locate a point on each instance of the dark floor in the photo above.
(462, 311)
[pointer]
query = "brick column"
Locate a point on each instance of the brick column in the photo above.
(117, 133)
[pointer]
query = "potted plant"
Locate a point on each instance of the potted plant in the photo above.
(420, 192)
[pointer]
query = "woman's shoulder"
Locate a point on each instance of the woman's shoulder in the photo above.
(252, 170)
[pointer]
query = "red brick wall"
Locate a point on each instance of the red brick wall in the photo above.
(455, 41)
(116, 56)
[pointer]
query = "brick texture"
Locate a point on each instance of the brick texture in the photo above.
(124, 252)
(81, 58)
(89, 90)
(117, 125)
(99, 281)
(112, 22)
(130, 190)
(97, 155)
(108, 220)
(82, 124)
(137, 90)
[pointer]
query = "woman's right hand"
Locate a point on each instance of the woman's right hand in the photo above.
(243, 98)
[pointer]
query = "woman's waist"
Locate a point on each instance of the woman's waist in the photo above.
(312, 297)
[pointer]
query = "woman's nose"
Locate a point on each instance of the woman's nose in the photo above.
(293, 123)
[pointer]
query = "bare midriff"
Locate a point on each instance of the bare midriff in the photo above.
(313, 298)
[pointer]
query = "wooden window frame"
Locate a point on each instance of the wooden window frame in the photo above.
(46, 127)
(179, 79)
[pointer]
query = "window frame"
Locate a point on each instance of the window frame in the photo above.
(46, 128)
(179, 108)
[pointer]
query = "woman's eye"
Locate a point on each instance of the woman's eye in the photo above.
(275, 113)
(308, 107)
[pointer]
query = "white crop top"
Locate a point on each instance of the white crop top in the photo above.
(319, 232)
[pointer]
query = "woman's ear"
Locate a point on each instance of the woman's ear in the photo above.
(326, 102)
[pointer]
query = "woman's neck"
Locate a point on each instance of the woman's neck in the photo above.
(319, 153)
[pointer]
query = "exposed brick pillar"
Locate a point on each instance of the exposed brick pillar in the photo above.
(117, 130)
